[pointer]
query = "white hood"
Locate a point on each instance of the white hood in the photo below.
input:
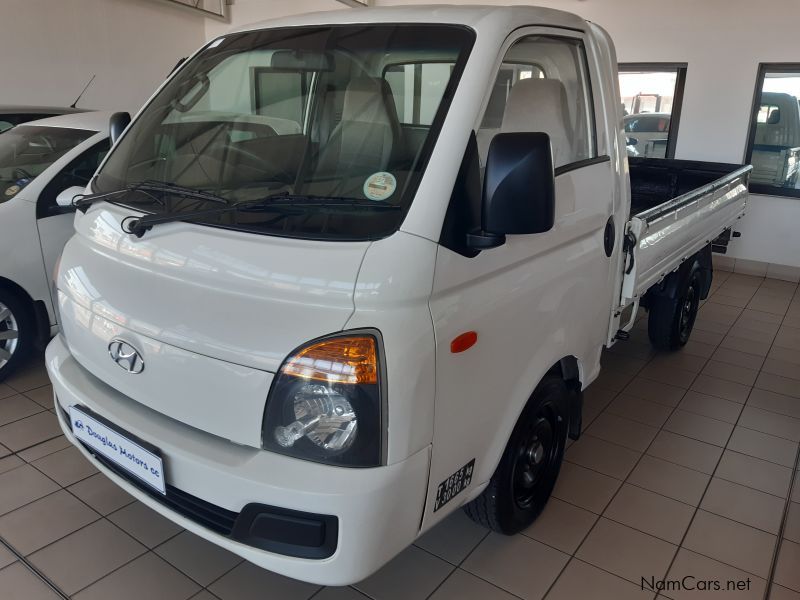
(187, 294)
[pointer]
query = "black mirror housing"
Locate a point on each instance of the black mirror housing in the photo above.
(519, 194)
(117, 124)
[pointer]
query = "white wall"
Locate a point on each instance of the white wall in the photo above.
(722, 41)
(51, 48)
(244, 12)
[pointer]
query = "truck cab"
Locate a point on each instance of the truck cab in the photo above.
(346, 273)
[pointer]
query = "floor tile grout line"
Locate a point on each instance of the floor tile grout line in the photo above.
(672, 412)
(216, 579)
(33, 569)
(697, 508)
(126, 563)
(666, 460)
(786, 507)
(600, 516)
(42, 409)
(702, 497)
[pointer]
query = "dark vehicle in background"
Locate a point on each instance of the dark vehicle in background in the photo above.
(14, 115)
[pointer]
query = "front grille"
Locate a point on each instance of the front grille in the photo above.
(203, 513)
(193, 508)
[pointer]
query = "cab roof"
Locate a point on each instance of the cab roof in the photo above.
(490, 19)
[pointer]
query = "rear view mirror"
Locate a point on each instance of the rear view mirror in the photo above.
(298, 60)
(519, 189)
(65, 198)
(117, 124)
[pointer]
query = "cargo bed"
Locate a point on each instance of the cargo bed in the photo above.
(677, 208)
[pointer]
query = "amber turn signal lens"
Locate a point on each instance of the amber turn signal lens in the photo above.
(351, 359)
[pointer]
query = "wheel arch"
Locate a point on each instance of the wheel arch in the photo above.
(37, 307)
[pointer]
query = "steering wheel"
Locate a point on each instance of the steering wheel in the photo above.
(258, 163)
(20, 173)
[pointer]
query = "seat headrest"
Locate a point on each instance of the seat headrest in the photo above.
(540, 105)
(535, 101)
(369, 99)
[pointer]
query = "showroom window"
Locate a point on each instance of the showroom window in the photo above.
(417, 90)
(774, 142)
(651, 99)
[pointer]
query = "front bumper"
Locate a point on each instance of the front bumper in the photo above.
(378, 509)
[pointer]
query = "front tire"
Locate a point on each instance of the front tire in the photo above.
(529, 466)
(17, 332)
(671, 320)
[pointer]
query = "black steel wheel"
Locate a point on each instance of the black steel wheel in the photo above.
(671, 320)
(529, 466)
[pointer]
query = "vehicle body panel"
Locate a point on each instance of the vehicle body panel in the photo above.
(670, 233)
(236, 304)
(32, 244)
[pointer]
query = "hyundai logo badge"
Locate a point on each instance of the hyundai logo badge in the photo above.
(126, 356)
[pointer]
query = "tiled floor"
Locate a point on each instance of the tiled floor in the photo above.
(685, 468)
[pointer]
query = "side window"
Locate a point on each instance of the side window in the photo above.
(774, 144)
(418, 89)
(78, 172)
(651, 106)
(543, 86)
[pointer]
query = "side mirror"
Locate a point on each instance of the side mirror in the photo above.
(117, 124)
(519, 186)
(631, 141)
(64, 199)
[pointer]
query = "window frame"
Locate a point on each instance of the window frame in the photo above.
(46, 205)
(763, 68)
(680, 69)
(417, 79)
(307, 85)
(584, 69)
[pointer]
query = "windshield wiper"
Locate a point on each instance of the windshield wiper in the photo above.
(150, 188)
(138, 226)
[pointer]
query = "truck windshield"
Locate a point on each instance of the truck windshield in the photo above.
(343, 112)
(27, 150)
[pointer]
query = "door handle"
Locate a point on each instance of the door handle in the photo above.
(609, 236)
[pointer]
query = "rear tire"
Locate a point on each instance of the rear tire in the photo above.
(17, 332)
(671, 320)
(529, 466)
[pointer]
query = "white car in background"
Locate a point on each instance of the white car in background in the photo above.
(42, 165)
(647, 134)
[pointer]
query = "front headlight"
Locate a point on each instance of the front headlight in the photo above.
(325, 403)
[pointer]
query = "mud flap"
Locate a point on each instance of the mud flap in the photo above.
(575, 410)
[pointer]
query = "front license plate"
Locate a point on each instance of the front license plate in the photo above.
(118, 447)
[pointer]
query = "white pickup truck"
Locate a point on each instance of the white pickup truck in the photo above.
(348, 272)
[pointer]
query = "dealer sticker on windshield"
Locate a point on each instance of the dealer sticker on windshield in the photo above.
(118, 448)
(454, 485)
(380, 186)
